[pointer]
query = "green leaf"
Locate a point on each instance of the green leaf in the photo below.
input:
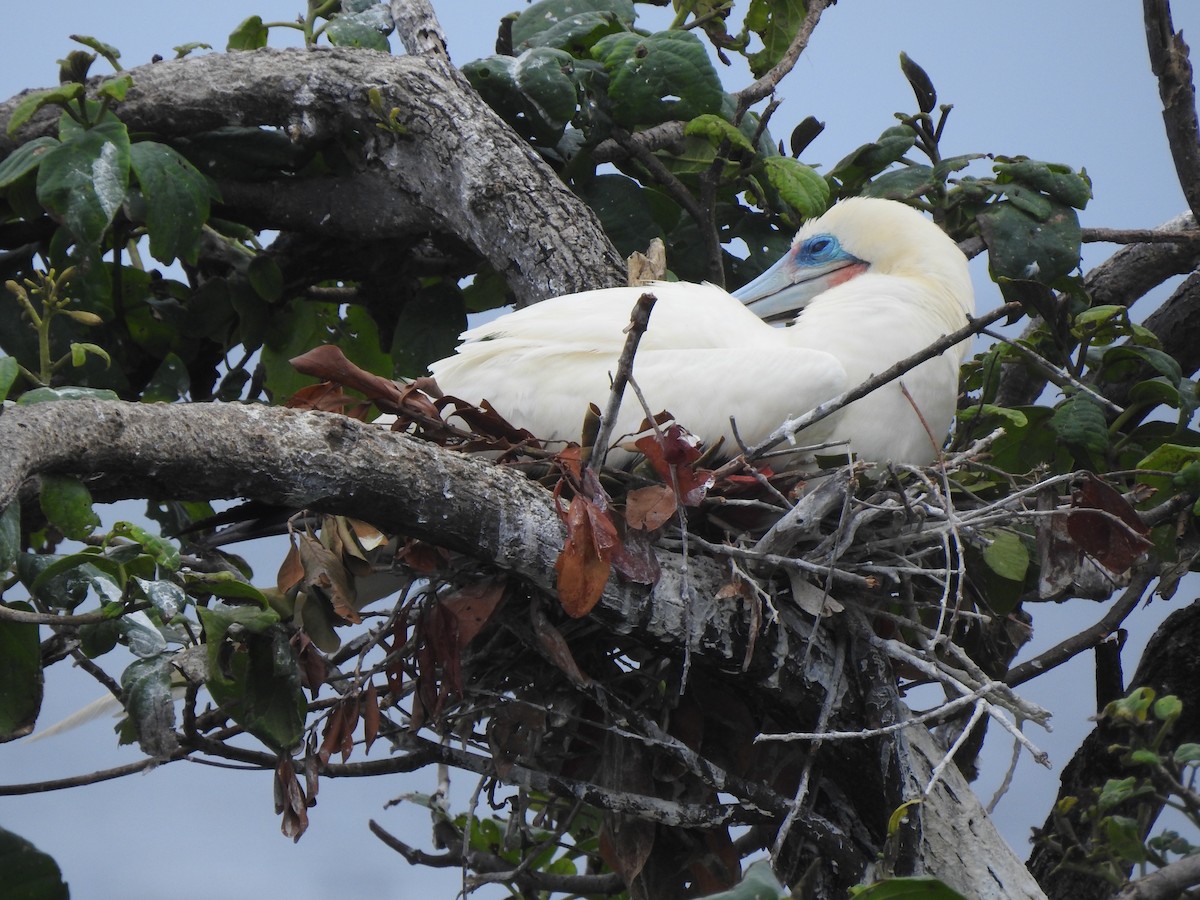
(367, 28)
(776, 23)
(250, 35)
(799, 185)
(871, 159)
(24, 160)
(116, 88)
(27, 108)
(227, 585)
(184, 49)
(69, 392)
(254, 675)
(915, 887)
(1168, 708)
(10, 536)
(632, 214)
(1024, 248)
(573, 25)
(151, 708)
(1125, 837)
(67, 503)
(29, 873)
(1187, 755)
(177, 199)
(920, 82)
(1080, 424)
(428, 329)
(170, 382)
(716, 129)
(659, 77)
(9, 369)
(1060, 182)
(83, 181)
(108, 51)
(902, 184)
(534, 92)
(166, 596)
(80, 351)
(1006, 555)
(265, 277)
(20, 676)
(1015, 417)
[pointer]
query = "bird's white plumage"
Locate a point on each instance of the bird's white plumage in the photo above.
(705, 357)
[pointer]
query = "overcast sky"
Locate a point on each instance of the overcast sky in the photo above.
(1065, 81)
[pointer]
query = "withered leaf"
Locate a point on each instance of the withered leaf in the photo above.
(583, 565)
(325, 573)
(291, 570)
(1115, 545)
(634, 558)
(473, 605)
(371, 716)
(514, 732)
(329, 363)
(650, 507)
(672, 456)
(290, 800)
(556, 648)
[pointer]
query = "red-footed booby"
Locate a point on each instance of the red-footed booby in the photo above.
(874, 282)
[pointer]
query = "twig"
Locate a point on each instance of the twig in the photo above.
(1055, 374)
(639, 319)
(1138, 236)
(765, 85)
(92, 618)
(1084, 640)
(790, 428)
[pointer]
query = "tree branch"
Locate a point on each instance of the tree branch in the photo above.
(451, 165)
(1169, 62)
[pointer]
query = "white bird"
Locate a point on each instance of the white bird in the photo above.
(875, 282)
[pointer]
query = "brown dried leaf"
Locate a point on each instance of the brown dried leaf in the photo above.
(314, 668)
(514, 733)
(635, 560)
(371, 716)
(1113, 545)
(291, 571)
(290, 800)
(649, 508)
(556, 648)
(325, 574)
(329, 363)
(421, 557)
(583, 566)
(473, 605)
(672, 455)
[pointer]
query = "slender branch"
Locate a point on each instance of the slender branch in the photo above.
(829, 407)
(1084, 640)
(1167, 883)
(1137, 236)
(639, 319)
(765, 85)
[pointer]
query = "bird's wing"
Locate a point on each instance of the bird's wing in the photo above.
(685, 315)
(546, 390)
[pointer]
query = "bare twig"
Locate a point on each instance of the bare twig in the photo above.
(639, 319)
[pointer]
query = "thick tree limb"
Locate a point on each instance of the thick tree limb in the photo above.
(334, 464)
(453, 166)
(1169, 62)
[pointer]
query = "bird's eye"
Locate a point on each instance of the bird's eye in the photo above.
(820, 248)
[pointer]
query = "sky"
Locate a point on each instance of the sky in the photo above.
(1066, 81)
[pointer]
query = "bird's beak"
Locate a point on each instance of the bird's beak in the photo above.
(786, 288)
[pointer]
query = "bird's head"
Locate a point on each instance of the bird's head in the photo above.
(857, 236)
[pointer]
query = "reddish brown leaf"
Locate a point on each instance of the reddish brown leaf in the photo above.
(649, 508)
(583, 565)
(1116, 545)
(423, 558)
(473, 605)
(314, 669)
(625, 844)
(290, 800)
(555, 646)
(291, 571)
(514, 732)
(325, 397)
(634, 558)
(672, 456)
(371, 716)
(329, 363)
